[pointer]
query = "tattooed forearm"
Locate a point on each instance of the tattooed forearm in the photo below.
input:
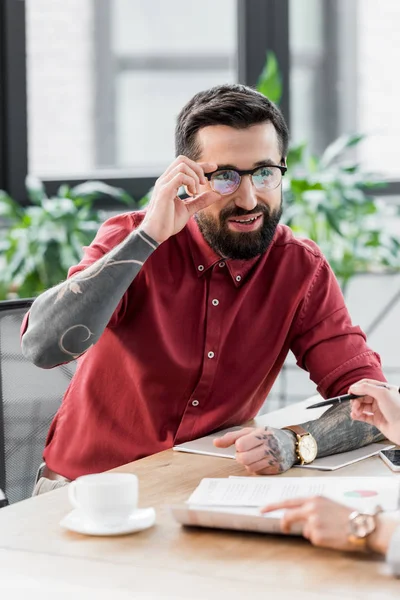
(279, 449)
(69, 318)
(336, 432)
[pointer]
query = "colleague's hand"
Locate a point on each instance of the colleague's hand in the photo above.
(266, 451)
(380, 406)
(325, 522)
(167, 214)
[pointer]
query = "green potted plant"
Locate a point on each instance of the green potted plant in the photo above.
(42, 240)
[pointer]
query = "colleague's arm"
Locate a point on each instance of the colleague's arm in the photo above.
(69, 318)
(325, 523)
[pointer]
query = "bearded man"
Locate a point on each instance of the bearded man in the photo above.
(181, 316)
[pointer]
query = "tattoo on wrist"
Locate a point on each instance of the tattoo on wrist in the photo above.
(277, 446)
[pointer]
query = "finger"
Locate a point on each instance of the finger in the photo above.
(182, 168)
(292, 516)
(377, 390)
(362, 401)
(362, 408)
(230, 438)
(177, 181)
(250, 456)
(266, 466)
(307, 531)
(364, 412)
(364, 418)
(370, 409)
(373, 382)
(257, 437)
(356, 411)
(202, 201)
(290, 503)
(199, 168)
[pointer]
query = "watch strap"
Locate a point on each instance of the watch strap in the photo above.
(297, 429)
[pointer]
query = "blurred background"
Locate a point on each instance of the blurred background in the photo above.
(89, 93)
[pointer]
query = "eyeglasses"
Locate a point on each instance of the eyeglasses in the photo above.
(227, 181)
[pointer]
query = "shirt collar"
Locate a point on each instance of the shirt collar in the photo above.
(204, 257)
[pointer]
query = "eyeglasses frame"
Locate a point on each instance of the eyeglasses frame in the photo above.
(250, 172)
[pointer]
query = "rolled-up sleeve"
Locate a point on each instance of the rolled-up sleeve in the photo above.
(326, 343)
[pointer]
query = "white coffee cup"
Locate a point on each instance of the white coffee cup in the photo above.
(106, 498)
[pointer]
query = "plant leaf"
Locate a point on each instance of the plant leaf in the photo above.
(9, 208)
(270, 81)
(35, 189)
(295, 155)
(94, 189)
(342, 143)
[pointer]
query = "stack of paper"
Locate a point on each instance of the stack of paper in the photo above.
(234, 503)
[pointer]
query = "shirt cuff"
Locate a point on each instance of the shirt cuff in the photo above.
(393, 554)
(152, 243)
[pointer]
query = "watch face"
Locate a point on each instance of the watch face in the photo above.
(308, 448)
(362, 525)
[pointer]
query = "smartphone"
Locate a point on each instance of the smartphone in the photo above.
(391, 458)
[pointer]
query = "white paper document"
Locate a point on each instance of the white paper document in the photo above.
(205, 445)
(234, 503)
(259, 491)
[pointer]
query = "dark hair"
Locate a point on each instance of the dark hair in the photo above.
(234, 105)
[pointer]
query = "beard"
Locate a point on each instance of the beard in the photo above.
(235, 244)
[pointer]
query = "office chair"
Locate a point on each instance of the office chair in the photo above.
(29, 398)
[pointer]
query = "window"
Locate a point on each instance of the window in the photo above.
(378, 84)
(104, 89)
(105, 79)
(323, 69)
(344, 57)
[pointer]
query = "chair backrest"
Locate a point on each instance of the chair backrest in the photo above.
(29, 398)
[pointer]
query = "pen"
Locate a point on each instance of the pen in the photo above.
(335, 400)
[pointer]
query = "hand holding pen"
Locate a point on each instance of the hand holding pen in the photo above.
(379, 406)
(375, 403)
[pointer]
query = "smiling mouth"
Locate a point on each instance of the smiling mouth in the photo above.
(245, 220)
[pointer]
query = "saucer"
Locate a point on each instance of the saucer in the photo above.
(140, 519)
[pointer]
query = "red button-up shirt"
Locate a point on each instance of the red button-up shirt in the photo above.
(196, 344)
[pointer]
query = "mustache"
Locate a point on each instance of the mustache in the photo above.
(236, 211)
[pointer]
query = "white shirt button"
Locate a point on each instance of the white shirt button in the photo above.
(210, 355)
(238, 278)
(195, 402)
(200, 267)
(215, 302)
(221, 264)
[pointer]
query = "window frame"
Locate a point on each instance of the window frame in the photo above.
(13, 97)
(261, 25)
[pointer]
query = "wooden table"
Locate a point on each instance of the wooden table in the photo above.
(171, 562)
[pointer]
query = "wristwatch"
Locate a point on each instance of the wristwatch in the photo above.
(306, 445)
(361, 525)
